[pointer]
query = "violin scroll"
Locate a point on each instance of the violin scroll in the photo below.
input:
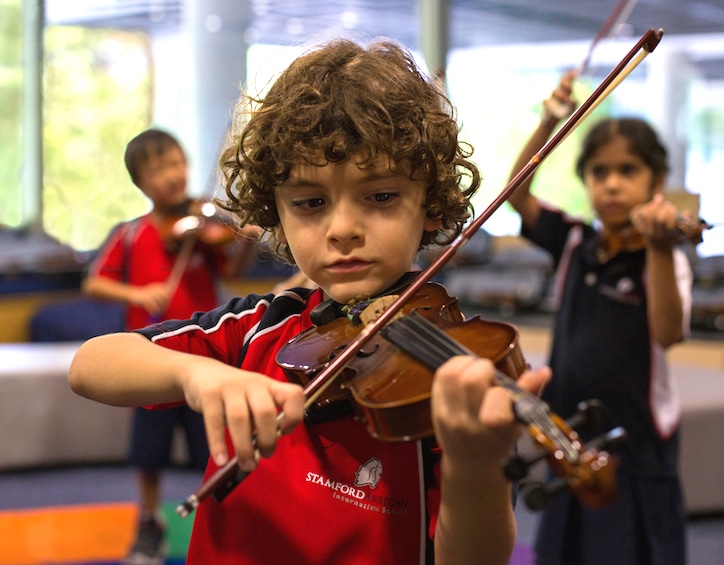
(590, 474)
(595, 492)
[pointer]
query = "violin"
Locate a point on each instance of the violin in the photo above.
(387, 385)
(200, 220)
(585, 469)
(687, 229)
(196, 221)
(389, 382)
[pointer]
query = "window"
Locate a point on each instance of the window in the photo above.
(99, 91)
(97, 96)
(11, 95)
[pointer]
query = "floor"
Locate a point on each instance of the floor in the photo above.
(86, 516)
(83, 515)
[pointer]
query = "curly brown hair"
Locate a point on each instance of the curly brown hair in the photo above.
(344, 100)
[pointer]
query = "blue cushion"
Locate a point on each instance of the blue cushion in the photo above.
(76, 320)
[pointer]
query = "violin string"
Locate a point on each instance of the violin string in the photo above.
(426, 342)
(534, 412)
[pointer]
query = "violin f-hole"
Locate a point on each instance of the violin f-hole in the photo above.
(362, 353)
(335, 352)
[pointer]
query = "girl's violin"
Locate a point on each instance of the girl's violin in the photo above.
(687, 229)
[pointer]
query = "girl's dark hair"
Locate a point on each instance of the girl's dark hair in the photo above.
(643, 141)
(146, 144)
(343, 100)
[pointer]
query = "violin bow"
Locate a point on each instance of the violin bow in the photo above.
(179, 266)
(620, 13)
(229, 475)
(643, 47)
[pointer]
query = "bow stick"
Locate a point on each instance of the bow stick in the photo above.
(229, 475)
(618, 15)
(642, 48)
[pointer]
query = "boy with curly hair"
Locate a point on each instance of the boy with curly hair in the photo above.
(351, 162)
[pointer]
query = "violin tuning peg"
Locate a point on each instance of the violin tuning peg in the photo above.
(590, 416)
(538, 495)
(516, 467)
(610, 440)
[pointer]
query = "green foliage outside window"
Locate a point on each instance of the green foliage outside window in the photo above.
(498, 129)
(11, 76)
(97, 96)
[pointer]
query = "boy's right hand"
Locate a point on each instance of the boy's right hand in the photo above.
(153, 298)
(246, 403)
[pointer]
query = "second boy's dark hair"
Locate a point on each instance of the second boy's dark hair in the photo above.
(642, 139)
(147, 144)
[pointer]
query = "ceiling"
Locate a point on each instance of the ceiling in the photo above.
(491, 22)
(471, 23)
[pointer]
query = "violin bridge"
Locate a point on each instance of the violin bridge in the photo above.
(374, 309)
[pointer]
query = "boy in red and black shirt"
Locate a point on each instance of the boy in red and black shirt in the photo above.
(351, 164)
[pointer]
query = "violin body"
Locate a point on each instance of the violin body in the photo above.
(197, 220)
(688, 229)
(386, 388)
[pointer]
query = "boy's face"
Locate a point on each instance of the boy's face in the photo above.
(162, 178)
(352, 231)
(617, 180)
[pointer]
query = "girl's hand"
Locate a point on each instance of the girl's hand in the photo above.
(560, 105)
(473, 419)
(247, 403)
(656, 221)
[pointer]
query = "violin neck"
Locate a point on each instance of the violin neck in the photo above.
(423, 340)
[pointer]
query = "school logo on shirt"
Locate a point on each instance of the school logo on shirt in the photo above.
(369, 474)
(624, 291)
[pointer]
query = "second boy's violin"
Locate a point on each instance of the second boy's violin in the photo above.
(194, 221)
(199, 220)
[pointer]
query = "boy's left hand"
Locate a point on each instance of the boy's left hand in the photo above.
(473, 419)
